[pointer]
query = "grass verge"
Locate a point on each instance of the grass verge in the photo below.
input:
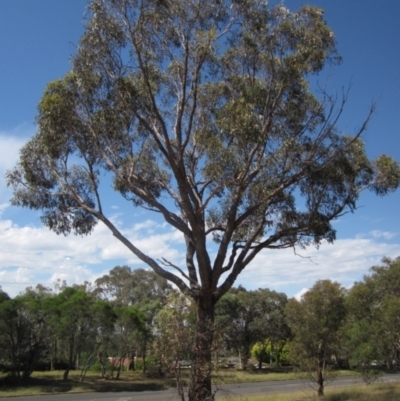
(52, 383)
(375, 392)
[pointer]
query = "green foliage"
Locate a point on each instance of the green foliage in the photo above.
(97, 367)
(141, 290)
(265, 352)
(250, 316)
(211, 109)
(372, 328)
(316, 322)
(21, 335)
(124, 286)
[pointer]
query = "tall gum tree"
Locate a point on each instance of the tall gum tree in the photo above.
(206, 104)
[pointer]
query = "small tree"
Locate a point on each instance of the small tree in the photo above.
(264, 352)
(201, 112)
(174, 329)
(315, 322)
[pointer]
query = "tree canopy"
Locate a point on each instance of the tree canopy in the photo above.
(251, 316)
(373, 324)
(206, 104)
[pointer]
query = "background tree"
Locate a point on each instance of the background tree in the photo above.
(251, 316)
(33, 309)
(273, 331)
(21, 335)
(235, 313)
(144, 290)
(373, 326)
(73, 321)
(206, 104)
(316, 321)
(124, 286)
(129, 321)
(100, 335)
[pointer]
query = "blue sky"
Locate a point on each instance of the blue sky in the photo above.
(37, 39)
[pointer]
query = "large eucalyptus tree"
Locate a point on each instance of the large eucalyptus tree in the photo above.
(202, 112)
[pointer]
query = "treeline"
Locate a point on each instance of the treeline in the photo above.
(75, 327)
(135, 319)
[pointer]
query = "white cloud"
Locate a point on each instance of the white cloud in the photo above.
(300, 294)
(345, 261)
(382, 234)
(30, 255)
(9, 150)
(3, 206)
(147, 224)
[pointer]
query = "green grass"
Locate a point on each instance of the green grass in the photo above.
(376, 392)
(237, 376)
(51, 382)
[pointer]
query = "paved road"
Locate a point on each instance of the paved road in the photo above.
(226, 392)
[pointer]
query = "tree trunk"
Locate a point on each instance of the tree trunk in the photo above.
(144, 362)
(278, 355)
(132, 361)
(320, 372)
(261, 356)
(121, 359)
(244, 359)
(77, 360)
(320, 382)
(70, 360)
(53, 357)
(200, 375)
(272, 354)
(101, 362)
(179, 385)
(65, 375)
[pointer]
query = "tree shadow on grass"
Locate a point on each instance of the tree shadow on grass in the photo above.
(51, 386)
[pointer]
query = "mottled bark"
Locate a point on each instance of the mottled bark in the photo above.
(200, 375)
